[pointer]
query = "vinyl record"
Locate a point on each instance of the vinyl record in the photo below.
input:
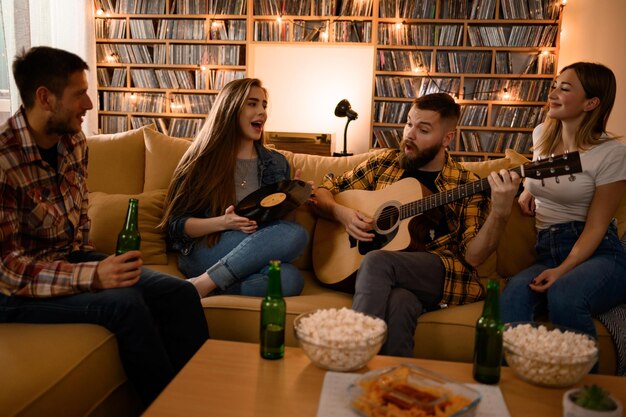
(274, 201)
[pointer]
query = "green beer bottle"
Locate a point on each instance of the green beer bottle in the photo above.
(488, 342)
(129, 239)
(273, 316)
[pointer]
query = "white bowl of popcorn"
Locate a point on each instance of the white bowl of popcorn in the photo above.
(548, 356)
(339, 339)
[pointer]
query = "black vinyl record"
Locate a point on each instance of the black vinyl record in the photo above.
(274, 201)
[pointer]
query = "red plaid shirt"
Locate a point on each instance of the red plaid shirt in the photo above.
(43, 215)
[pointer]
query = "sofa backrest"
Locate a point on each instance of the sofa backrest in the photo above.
(141, 162)
(117, 162)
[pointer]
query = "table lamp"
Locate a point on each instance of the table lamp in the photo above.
(343, 109)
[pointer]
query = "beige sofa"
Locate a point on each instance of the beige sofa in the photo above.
(45, 366)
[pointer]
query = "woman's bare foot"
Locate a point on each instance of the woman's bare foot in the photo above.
(204, 284)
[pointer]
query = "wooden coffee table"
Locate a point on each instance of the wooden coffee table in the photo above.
(230, 379)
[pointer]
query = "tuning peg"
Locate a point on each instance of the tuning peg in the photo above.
(572, 177)
(557, 180)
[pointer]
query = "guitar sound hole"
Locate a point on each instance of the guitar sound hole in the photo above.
(388, 218)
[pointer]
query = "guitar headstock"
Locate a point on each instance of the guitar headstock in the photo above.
(553, 166)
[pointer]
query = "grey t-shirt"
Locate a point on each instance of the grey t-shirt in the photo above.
(246, 178)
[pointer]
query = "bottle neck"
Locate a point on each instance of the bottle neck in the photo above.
(274, 288)
(132, 215)
(492, 302)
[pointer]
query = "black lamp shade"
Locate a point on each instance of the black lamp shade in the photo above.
(343, 109)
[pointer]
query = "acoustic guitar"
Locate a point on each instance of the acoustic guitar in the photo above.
(396, 214)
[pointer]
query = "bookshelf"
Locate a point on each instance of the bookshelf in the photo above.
(164, 61)
(496, 57)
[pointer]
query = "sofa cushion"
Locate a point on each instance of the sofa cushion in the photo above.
(108, 211)
(116, 162)
(57, 369)
(162, 156)
(314, 167)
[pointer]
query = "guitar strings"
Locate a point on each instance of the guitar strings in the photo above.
(436, 200)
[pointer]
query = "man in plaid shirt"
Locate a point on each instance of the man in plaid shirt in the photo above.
(399, 286)
(49, 272)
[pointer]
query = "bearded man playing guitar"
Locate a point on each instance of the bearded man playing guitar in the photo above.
(398, 286)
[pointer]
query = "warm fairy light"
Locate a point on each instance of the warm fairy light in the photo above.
(202, 67)
(418, 69)
(399, 25)
(324, 35)
(99, 12)
(215, 24)
(279, 19)
(110, 58)
(563, 2)
(133, 97)
(545, 52)
(505, 94)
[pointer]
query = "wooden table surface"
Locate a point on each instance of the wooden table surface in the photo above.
(230, 379)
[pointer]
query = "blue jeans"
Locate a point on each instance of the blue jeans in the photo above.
(159, 322)
(239, 262)
(591, 288)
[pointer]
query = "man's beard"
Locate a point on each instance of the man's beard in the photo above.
(59, 125)
(422, 157)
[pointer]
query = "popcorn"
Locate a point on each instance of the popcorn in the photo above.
(549, 357)
(340, 339)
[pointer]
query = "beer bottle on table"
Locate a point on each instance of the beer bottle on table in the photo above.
(488, 342)
(129, 239)
(273, 316)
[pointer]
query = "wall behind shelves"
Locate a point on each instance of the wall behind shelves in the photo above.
(594, 31)
(305, 83)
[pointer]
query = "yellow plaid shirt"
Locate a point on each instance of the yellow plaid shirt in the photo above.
(464, 217)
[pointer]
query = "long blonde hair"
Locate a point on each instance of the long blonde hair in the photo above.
(597, 81)
(204, 177)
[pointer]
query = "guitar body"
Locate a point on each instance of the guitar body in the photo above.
(337, 255)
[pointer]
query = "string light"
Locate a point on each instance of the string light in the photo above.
(279, 19)
(133, 97)
(505, 94)
(215, 24)
(99, 12)
(111, 58)
(202, 67)
(324, 35)
(399, 25)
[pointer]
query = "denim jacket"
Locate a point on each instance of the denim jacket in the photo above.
(272, 167)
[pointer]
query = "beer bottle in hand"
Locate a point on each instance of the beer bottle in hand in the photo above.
(273, 316)
(488, 342)
(128, 238)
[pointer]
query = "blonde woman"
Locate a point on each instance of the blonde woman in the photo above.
(581, 266)
(220, 251)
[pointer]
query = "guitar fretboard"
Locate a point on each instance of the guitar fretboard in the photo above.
(439, 199)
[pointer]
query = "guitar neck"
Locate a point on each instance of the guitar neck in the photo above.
(432, 201)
